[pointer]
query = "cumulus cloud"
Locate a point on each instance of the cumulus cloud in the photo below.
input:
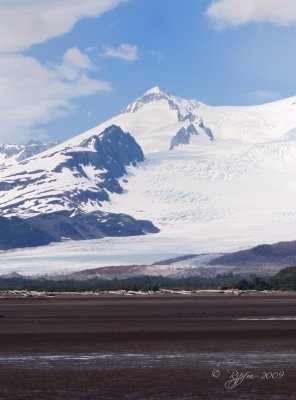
(74, 62)
(24, 23)
(33, 94)
(233, 13)
(126, 52)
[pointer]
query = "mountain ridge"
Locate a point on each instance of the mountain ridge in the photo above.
(13, 153)
(78, 177)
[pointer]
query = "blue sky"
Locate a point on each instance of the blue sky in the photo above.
(213, 51)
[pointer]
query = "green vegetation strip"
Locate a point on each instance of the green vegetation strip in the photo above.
(283, 280)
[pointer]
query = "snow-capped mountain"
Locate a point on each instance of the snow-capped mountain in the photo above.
(156, 118)
(13, 153)
(76, 177)
(207, 171)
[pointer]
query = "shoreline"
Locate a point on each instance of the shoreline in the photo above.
(162, 293)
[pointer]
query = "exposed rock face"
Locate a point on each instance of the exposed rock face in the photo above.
(77, 226)
(77, 177)
(15, 232)
(195, 128)
(182, 137)
(114, 150)
(46, 228)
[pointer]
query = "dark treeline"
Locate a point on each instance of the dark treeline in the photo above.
(283, 280)
(140, 283)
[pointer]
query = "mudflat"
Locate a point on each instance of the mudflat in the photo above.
(155, 347)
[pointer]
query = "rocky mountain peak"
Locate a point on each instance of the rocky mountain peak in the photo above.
(182, 106)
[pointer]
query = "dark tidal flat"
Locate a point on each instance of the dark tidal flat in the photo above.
(157, 347)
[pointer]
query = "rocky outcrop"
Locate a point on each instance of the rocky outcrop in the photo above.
(195, 128)
(65, 225)
(78, 226)
(16, 232)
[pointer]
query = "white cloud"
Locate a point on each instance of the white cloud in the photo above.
(33, 94)
(24, 23)
(74, 61)
(233, 13)
(126, 52)
(263, 96)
